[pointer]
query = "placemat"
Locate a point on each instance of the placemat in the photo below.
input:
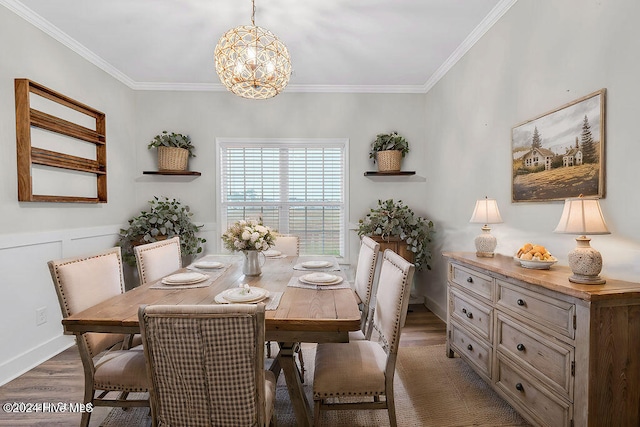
(295, 283)
(270, 303)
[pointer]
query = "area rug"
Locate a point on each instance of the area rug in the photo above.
(430, 390)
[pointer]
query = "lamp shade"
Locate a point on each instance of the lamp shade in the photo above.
(582, 216)
(486, 212)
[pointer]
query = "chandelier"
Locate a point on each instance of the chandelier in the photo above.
(251, 62)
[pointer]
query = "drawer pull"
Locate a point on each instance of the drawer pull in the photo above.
(469, 347)
(470, 279)
(520, 302)
(520, 347)
(519, 387)
(469, 315)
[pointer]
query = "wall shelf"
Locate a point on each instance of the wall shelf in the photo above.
(400, 173)
(167, 172)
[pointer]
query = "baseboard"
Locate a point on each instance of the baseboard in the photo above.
(435, 308)
(28, 360)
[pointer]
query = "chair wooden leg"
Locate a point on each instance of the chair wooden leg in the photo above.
(391, 408)
(316, 412)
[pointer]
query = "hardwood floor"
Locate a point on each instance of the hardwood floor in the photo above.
(60, 379)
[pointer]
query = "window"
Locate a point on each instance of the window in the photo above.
(296, 186)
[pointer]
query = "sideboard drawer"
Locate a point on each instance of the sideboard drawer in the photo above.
(548, 359)
(472, 313)
(539, 402)
(553, 313)
(476, 351)
(474, 281)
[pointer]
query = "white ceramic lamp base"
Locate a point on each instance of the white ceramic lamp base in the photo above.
(586, 263)
(486, 243)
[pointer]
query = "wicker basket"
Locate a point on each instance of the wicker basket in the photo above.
(172, 158)
(389, 160)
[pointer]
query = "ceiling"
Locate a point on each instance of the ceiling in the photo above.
(335, 45)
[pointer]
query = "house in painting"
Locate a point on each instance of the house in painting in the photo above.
(538, 156)
(573, 157)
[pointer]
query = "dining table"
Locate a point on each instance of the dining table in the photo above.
(304, 314)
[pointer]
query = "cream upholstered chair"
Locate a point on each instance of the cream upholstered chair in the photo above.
(156, 260)
(365, 369)
(80, 283)
(363, 283)
(206, 365)
(287, 244)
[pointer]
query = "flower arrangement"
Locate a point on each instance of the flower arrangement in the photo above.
(398, 220)
(246, 235)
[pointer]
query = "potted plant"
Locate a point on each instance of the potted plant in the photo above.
(388, 149)
(394, 220)
(174, 150)
(165, 219)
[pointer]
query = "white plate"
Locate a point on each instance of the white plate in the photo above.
(208, 264)
(320, 277)
(184, 279)
(537, 265)
(316, 264)
(271, 253)
(337, 281)
(237, 295)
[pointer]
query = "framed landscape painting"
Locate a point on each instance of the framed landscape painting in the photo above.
(560, 154)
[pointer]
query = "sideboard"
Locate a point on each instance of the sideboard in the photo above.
(562, 354)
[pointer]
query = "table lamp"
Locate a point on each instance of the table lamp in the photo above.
(486, 212)
(582, 216)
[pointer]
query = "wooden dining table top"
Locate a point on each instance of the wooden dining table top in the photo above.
(303, 315)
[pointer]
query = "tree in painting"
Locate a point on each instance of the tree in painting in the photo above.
(536, 141)
(588, 146)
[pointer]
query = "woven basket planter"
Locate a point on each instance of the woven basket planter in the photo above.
(172, 158)
(389, 160)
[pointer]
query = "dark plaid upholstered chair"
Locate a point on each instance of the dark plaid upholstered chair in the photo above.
(363, 284)
(363, 370)
(206, 365)
(80, 283)
(158, 259)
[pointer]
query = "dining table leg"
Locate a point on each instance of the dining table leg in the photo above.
(287, 362)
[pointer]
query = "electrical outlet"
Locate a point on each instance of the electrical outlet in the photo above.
(41, 316)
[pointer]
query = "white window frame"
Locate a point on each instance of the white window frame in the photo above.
(342, 143)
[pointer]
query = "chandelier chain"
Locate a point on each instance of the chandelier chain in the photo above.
(253, 13)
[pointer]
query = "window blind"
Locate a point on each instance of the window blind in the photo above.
(296, 187)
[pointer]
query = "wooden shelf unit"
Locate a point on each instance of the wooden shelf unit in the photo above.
(27, 117)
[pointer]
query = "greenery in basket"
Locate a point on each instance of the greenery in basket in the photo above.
(389, 141)
(177, 140)
(166, 217)
(398, 220)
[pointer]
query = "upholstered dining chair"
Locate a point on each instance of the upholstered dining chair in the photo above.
(80, 283)
(156, 260)
(287, 244)
(363, 284)
(364, 370)
(206, 365)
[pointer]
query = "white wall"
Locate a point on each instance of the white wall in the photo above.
(33, 233)
(539, 56)
(205, 116)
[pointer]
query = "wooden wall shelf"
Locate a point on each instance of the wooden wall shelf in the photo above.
(177, 173)
(28, 117)
(401, 173)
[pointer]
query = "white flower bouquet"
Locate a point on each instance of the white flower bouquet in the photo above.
(246, 235)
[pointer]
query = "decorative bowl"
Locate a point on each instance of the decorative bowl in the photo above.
(537, 265)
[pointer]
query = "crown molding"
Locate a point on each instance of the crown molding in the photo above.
(489, 21)
(30, 16)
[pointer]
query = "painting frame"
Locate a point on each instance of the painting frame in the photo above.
(556, 155)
